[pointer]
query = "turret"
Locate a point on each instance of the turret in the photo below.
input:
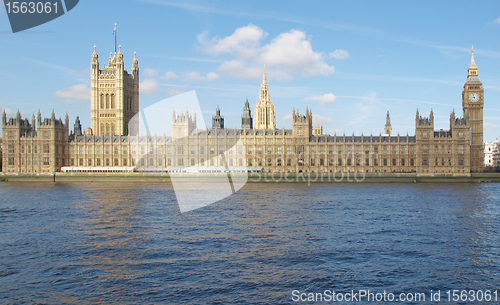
(77, 130)
(4, 118)
(388, 127)
(135, 65)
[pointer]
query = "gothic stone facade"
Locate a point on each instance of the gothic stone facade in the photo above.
(44, 146)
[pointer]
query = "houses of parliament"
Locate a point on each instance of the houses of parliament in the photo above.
(48, 145)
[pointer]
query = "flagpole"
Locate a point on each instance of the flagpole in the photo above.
(114, 32)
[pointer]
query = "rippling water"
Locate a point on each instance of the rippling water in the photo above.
(125, 243)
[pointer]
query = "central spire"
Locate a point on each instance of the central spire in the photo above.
(264, 79)
(472, 62)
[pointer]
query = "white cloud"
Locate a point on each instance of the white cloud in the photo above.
(287, 54)
(239, 69)
(152, 73)
(323, 99)
(149, 86)
(497, 20)
(320, 120)
(79, 92)
(148, 72)
(288, 118)
(196, 77)
(339, 54)
(170, 75)
(243, 43)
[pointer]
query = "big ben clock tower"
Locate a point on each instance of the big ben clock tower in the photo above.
(473, 104)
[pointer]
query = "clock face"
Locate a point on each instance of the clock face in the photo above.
(474, 97)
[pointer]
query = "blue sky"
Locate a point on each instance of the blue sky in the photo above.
(348, 61)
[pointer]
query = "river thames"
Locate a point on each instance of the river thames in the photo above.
(127, 243)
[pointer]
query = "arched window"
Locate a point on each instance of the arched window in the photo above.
(113, 129)
(102, 101)
(112, 101)
(107, 101)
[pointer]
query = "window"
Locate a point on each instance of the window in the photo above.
(250, 150)
(403, 162)
(279, 150)
(169, 150)
(385, 162)
(340, 161)
(98, 150)
(107, 150)
(29, 149)
(425, 161)
(11, 149)
(367, 162)
(11, 161)
(425, 149)
(393, 162)
(80, 150)
(358, 162)
(124, 150)
(116, 162)
(375, 162)
(460, 149)
(394, 150)
(193, 150)
(278, 162)
(89, 162)
(385, 150)
(46, 161)
(312, 162)
(269, 150)
(461, 161)
(269, 162)
(436, 149)
(301, 132)
(124, 162)
(180, 150)
(22, 149)
(97, 162)
(358, 150)
(461, 134)
(367, 150)
(437, 162)
(80, 162)
(424, 134)
(288, 162)
(89, 150)
(330, 162)
(349, 162)
(107, 161)
(403, 150)
(375, 150)
(259, 150)
(321, 162)
(289, 150)
(412, 162)
(169, 162)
